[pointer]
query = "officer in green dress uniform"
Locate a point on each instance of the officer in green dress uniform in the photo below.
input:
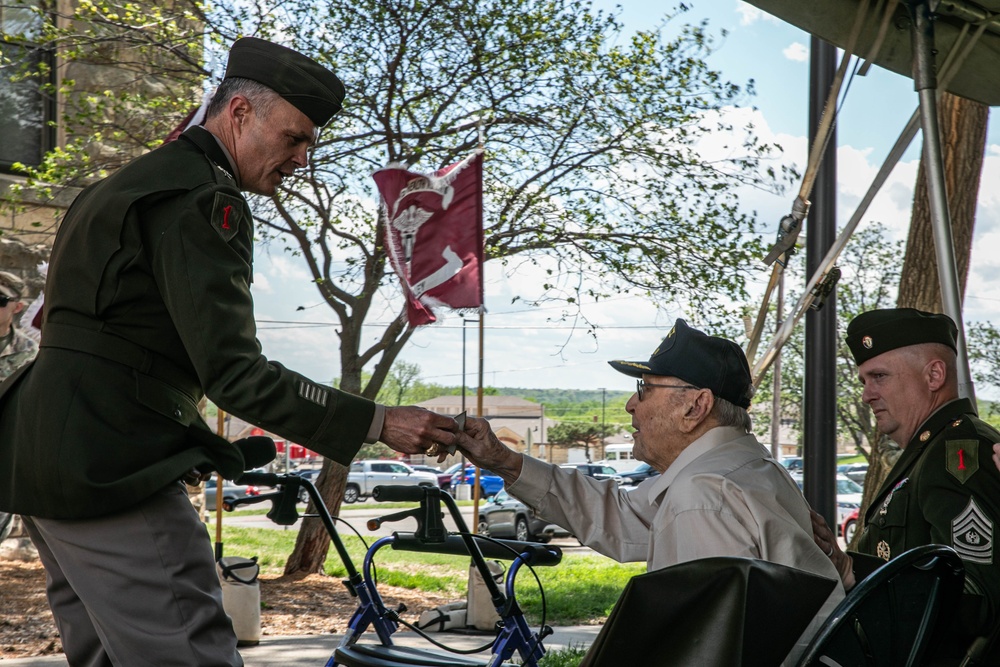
(943, 488)
(148, 309)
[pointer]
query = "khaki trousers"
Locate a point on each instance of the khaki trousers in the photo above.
(136, 588)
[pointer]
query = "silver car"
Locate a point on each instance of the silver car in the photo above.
(506, 517)
(230, 491)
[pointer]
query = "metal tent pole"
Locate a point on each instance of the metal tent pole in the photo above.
(925, 83)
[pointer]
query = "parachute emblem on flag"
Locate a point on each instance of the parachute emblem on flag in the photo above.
(434, 235)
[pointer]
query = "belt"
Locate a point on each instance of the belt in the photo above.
(117, 349)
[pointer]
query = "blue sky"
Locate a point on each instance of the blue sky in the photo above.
(525, 349)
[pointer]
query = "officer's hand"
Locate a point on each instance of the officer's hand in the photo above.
(484, 449)
(413, 430)
(827, 541)
(194, 477)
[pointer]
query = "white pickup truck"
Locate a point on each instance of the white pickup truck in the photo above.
(363, 476)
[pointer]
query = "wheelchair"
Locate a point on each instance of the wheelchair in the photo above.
(513, 634)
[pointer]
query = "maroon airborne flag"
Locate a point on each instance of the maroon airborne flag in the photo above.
(434, 235)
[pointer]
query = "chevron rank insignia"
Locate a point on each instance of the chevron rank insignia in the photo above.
(227, 213)
(972, 534)
(962, 458)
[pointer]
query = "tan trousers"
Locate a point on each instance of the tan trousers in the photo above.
(136, 588)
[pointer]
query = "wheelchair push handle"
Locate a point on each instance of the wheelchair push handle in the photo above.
(398, 494)
(262, 479)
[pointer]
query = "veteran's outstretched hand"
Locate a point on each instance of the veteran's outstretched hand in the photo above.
(483, 448)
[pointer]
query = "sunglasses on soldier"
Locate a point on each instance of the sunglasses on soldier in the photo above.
(4, 300)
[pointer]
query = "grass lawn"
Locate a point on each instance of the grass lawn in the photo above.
(583, 588)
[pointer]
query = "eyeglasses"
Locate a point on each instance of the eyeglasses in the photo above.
(4, 300)
(640, 387)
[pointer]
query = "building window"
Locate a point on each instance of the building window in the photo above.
(26, 105)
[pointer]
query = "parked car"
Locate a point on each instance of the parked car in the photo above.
(489, 482)
(854, 471)
(419, 467)
(849, 525)
(643, 472)
(595, 470)
(506, 517)
(312, 474)
(230, 491)
(363, 476)
(444, 479)
(792, 463)
(848, 496)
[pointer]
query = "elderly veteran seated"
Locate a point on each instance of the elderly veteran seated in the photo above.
(719, 492)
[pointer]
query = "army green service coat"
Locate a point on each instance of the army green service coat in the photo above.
(147, 309)
(944, 489)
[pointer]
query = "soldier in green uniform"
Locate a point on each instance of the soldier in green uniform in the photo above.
(16, 348)
(942, 489)
(148, 309)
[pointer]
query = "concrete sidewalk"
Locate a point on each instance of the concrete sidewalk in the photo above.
(313, 650)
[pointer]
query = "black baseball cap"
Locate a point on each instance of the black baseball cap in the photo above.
(877, 331)
(708, 362)
(308, 86)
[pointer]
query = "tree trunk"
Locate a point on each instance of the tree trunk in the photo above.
(313, 542)
(963, 138)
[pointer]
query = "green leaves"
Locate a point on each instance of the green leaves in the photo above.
(600, 164)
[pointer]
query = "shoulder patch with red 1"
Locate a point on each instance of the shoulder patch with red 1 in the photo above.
(227, 214)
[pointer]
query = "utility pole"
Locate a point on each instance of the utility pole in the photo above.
(604, 432)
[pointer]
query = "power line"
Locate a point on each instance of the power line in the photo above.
(291, 324)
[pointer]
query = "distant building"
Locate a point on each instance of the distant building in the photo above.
(520, 424)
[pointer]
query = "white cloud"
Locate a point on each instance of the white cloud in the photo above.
(750, 14)
(797, 52)
(262, 284)
(856, 170)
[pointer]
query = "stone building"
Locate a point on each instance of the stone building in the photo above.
(84, 108)
(520, 424)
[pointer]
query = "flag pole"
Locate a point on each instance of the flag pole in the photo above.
(482, 326)
(479, 413)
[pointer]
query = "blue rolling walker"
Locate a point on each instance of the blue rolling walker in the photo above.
(513, 633)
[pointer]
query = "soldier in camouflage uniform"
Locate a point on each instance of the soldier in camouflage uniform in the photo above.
(16, 349)
(942, 489)
(147, 310)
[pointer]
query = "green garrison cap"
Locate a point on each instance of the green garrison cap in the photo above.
(877, 331)
(705, 361)
(308, 86)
